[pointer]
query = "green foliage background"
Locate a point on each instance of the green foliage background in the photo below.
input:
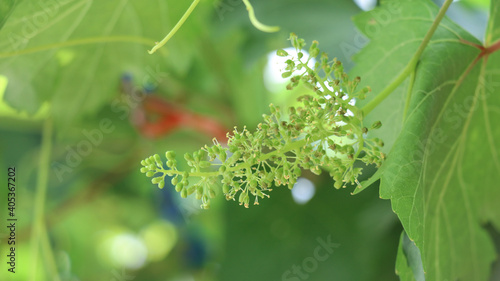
(65, 60)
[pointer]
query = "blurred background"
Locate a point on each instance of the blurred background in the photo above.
(78, 71)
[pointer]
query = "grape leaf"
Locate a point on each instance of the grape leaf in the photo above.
(72, 53)
(443, 168)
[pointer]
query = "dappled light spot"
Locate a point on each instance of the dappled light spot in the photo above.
(3, 85)
(65, 56)
(128, 251)
(159, 238)
(273, 69)
(303, 191)
(366, 5)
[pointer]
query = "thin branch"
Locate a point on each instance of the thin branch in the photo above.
(176, 27)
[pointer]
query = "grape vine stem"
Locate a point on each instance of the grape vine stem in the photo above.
(260, 26)
(176, 27)
(39, 237)
(78, 42)
(287, 148)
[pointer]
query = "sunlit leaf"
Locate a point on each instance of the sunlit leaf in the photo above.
(443, 168)
(73, 53)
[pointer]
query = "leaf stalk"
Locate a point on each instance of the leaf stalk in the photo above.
(176, 27)
(39, 237)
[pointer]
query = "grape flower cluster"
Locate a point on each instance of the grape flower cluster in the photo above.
(324, 133)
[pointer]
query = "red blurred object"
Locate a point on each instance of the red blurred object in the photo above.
(156, 117)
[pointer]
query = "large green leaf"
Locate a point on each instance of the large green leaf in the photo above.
(72, 53)
(443, 169)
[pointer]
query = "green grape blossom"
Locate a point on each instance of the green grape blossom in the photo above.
(325, 133)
